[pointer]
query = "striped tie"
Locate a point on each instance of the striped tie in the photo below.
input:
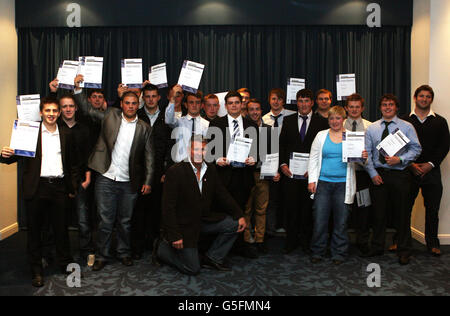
(236, 131)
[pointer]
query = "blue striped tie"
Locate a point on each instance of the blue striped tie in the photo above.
(236, 131)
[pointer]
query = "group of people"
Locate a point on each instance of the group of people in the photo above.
(160, 178)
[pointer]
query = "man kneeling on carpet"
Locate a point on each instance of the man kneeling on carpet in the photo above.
(190, 188)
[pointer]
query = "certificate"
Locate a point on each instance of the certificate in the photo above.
(132, 72)
(393, 144)
(293, 86)
(269, 168)
(92, 70)
(298, 164)
(28, 107)
(353, 144)
(346, 85)
(222, 110)
(24, 138)
(157, 75)
(81, 69)
(67, 73)
(239, 150)
(190, 76)
(363, 198)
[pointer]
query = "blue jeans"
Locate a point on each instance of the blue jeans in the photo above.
(115, 201)
(329, 198)
(84, 222)
(186, 260)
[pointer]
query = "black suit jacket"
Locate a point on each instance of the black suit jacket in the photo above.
(250, 131)
(184, 207)
(32, 166)
(290, 140)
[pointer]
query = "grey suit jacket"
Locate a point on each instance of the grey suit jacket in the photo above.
(141, 165)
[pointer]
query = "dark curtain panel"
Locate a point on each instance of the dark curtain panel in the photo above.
(257, 57)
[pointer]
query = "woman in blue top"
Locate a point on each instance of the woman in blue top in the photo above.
(333, 184)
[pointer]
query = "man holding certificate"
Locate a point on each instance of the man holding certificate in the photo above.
(48, 179)
(297, 135)
(390, 177)
(226, 133)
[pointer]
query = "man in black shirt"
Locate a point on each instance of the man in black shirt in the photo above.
(433, 133)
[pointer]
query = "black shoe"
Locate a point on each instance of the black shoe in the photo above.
(307, 250)
(288, 249)
(363, 249)
(403, 260)
(155, 260)
(127, 261)
(315, 260)
(98, 265)
(261, 247)
(211, 264)
(136, 256)
(372, 253)
(247, 251)
(37, 280)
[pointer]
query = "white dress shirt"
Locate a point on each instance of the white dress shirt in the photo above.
(270, 120)
(431, 113)
(51, 163)
(308, 121)
(231, 125)
(120, 158)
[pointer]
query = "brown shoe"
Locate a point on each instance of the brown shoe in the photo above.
(393, 248)
(436, 252)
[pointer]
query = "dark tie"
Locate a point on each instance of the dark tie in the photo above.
(276, 120)
(193, 126)
(235, 129)
(383, 136)
(354, 126)
(303, 128)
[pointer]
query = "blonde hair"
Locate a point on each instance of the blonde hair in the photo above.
(337, 110)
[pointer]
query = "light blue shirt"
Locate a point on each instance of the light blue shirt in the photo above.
(183, 130)
(407, 155)
(152, 117)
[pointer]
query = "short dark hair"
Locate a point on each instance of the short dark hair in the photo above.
(324, 91)
(305, 93)
(280, 93)
(355, 97)
(198, 138)
(389, 96)
(198, 95)
(254, 100)
(48, 100)
(150, 87)
(130, 93)
(425, 87)
(231, 94)
(67, 96)
(91, 91)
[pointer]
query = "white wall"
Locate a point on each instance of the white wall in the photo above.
(8, 78)
(431, 65)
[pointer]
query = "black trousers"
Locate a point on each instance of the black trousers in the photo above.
(361, 215)
(431, 185)
(145, 223)
(49, 200)
(298, 208)
(394, 195)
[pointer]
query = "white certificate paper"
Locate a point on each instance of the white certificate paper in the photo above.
(346, 86)
(157, 75)
(353, 144)
(222, 110)
(298, 164)
(239, 149)
(393, 143)
(131, 71)
(293, 86)
(28, 107)
(67, 73)
(269, 168)
(190, 76)
(24, 138)
(363, 198)
(92, 70)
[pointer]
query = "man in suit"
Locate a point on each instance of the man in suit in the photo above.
(297, 134)
(236, 177)
(147, 214)
(49, 179)
(432, 130)
(190, 188)
(124, 159)
(391, 180)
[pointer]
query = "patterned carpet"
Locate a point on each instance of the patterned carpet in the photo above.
(274, 274)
